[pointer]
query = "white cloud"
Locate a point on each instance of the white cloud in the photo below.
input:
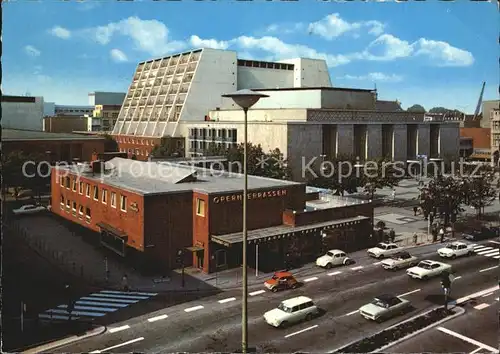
(118, 56)
(32, 51)
(333, 26)
(150, 36)
(387, 47)
(197, 42)
(374, 77)
(286, 28)
(60, 32)
(442, 53)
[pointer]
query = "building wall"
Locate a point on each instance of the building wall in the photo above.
(423, 142)
(345, 139)
(488, 107)
(255, 78)
(107, 98)
(168, 227)
(374, 141)
(449, 140)
(495, 131)
(289, 99)
(299, 137)
(66, 110)
(257, 115)
(399, 143)
(105, 117)
(129, 221)
(49, 109)
(346, 99)
(19, 112)
(481, 137)
(310, 72)
(64, 124)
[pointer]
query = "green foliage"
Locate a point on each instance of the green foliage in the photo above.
(338, 174)
(445, 193)
(481, 188)
(13, 175)
(165, 149)
(416, 108)
(380, 173)
(443, 110)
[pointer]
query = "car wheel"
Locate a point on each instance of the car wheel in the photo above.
(309, 317)
(470, 253)
(283, 324)
(379, 319)
(453, 256)
(329, 266)
(425, 277)
(294, 286)
(274, 290)
(380, 257)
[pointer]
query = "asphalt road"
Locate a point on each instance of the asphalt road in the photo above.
(210, 325)
(474, 332)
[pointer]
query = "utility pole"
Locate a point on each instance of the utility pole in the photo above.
(23, 309)
(180, 260)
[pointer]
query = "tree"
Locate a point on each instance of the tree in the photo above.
(339, 175)
(380, 173)
(416, 108)
(481, 189)
(445, 194)
(441, 110)
(110, 144)
(166, 148)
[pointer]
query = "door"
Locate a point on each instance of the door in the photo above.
(199, 259)
(296, 314)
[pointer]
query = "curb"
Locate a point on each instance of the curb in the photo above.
(378, 350)
(460, 312)
(68, 340)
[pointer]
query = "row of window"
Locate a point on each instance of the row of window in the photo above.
(203, 133)
(136, 152)
(126, 139)
(203, 145)
(71, 184)
(71, 205)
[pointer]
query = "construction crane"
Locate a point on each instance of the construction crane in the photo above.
(479, 102)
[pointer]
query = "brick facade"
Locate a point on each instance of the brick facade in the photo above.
(141, 147)
(60, 150)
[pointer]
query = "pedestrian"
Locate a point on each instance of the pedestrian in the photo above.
(393, 193)
(125, 282)
(441, 235)
(415, 238)
(415, 209)
(392, 235)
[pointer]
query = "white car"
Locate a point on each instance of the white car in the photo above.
(456, 249)
(333, 258)
(428, 269)
(29, 209)
(383, 250)
(399, 260)
(384, 307)
(291, 311)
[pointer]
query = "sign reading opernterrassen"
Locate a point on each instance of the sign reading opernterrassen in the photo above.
(253, 195)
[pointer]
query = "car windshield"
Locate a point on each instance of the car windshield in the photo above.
(379, 303)
(329, 254)
(284, 308)
(275, 277)
(381, 245)
(424, 265)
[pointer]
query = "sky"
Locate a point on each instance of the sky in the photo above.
(430, 53)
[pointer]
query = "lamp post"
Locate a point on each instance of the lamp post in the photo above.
(245, 99)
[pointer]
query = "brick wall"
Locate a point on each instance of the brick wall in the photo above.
(62, 150)
(140, 146)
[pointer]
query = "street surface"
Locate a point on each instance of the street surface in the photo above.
(214, 323)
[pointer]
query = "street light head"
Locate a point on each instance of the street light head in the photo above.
(245, 98)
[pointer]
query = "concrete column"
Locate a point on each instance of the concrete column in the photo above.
(399, 142)
(373, 141)
(449, 140)
(345, 139)
(423, 140)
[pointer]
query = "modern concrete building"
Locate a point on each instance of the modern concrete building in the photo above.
(103, 117)
(185, 86)
(106, 98)
(495, 135)
(64, 124)
(70, 110)
(489, 106)
(328, 123)
(475, 143)
(22, 112)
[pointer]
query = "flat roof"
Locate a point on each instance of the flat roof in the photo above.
(21, 135)
(315, 88)
(159, 177)
(18, 99)
(269, 233)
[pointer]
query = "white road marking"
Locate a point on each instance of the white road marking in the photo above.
(258, 292)
(479, 293)
(497, 257)
(227, 300)
(356, 268)
(486, 269)
(496, 299)
(481, 306)
(486, 252)
(467, 339)
(118, 345)
(410, 292)
(310, 279)
(301, 331)
(157, 318)
(351, 313)
(377, 263)
(481, 249)
(195, 308)
(498, 243)
(118, 329)
(476, 350)
(487, 294)
(490, 253)
(334, 273)
(456, 278)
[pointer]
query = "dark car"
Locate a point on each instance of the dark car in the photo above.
(483, 234)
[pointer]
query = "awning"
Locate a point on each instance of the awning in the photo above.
(278, 232)
(111, 229)
(195, 248)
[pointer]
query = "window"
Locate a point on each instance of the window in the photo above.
(200, 207)
(104, 196)
(80, 210)
(73, 187)
(66, 182)
(96, 193)
(62, 199)
(80, 188)
(68, 205)
(123, 203)
(87, 191)
(74, 206)
(87, 214)
(113, 199)
(61, 180)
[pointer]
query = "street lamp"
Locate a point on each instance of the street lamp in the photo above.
(245, 99)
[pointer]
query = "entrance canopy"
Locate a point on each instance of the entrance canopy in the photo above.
(195, 249)
(113, 238)
(283, 231)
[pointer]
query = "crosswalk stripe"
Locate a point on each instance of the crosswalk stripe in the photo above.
(491, 253)
(121, 296)
(127, 293)
(497, 257)
(480, 249)
(97, 298)
(484, 252)
(77, 313)
(91, 308)
(56, 317)
(94, 303)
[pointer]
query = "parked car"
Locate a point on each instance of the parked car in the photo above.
(384, 307)
(292, 311)
(384, 249)
(399, 260)
(483, 234)
(29, 209)
(428, 269)
(456, 249)
(281, 281)
(333, 258)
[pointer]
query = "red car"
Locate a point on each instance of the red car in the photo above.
(281, 281)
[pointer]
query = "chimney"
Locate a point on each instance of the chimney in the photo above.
(97, 166)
